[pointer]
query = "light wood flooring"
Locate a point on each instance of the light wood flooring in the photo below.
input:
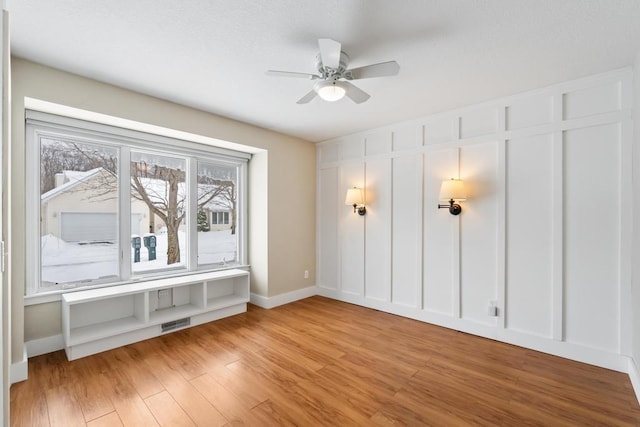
(320, 362)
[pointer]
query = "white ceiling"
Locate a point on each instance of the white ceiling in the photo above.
(213, 54)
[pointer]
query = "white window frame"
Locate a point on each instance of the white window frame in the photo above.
(41, 124)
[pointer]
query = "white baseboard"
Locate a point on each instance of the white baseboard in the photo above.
(286, 298)
(44, 345)
(20, 370)
(567, 350)
(634, 376)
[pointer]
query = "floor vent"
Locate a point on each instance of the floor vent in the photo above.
(175, 324)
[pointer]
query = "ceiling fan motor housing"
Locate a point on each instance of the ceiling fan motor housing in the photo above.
(328, 73)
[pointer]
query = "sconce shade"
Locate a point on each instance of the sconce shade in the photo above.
(354, 197)
(452, 189)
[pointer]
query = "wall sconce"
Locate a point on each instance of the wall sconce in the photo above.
(452, 190)
(355, 198)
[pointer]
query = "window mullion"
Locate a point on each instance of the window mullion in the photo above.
(124, 209)
(242, 212)
(192, 213)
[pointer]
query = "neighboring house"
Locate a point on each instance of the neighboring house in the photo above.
(83, 205)
(218, 215)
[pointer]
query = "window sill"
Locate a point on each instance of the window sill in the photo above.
(55, 296)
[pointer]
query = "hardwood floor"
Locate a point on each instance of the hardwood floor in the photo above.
(320, 362)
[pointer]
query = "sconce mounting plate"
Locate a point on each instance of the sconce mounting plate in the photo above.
(454, 208)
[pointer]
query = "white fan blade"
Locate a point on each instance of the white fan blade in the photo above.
(292, 74)
(329, 52)
(307, 98)
(356, 94)
(382, 69)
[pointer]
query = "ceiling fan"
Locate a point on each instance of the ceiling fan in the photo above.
(333, 76)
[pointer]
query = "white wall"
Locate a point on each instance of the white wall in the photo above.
(544, 233)
(635, 292)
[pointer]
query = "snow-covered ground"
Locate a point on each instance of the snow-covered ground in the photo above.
(64, 262)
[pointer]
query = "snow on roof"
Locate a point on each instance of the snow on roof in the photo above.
(74, 178)
(77, 175)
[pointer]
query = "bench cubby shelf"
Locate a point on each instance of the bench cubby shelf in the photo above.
(96, 320)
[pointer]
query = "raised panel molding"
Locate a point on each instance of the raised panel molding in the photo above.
(441, 274)
(377, 143)
(407, 137)
(439, 130)
(327, 226)
(329, 153)
(589, 101)
(531, 111)
(592, 236)
(407, 214)
(351, 229)
(529, 224)
(378, 230)
(478, 242)
(352, 148)
(479, 122)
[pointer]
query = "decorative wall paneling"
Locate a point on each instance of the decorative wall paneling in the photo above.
(378, 230)
(441, 256)
(406, 235)
(544, 234)
(327, 236)
(351, 233)
(530, 229)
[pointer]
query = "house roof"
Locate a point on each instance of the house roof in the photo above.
(74, 178)
(212, 55)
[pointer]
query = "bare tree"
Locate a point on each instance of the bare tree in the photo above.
(168, 205)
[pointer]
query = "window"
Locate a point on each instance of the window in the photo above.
(114, 205)
(220, 218)
(218, 189)
(158, 197)
(78, 212)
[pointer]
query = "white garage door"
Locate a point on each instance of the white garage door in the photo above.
(88, 227)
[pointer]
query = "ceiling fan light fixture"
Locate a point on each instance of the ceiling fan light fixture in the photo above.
(331, 91)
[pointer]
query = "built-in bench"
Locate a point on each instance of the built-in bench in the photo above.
(96, 320)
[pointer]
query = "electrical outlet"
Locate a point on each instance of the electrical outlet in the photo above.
(306, 274)
(492, 310)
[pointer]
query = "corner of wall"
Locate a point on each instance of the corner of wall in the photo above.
(20, 370)
(635, 274)
(634, 376)
(282, 299)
